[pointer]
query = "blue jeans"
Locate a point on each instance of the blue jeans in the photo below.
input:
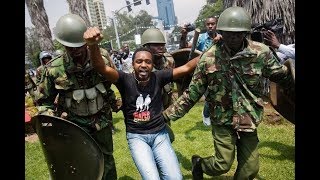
(206, 110)
(151, 152)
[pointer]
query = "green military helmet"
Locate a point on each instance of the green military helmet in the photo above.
(44, 54)
(69, 30)
(234, 19)
(152, 35)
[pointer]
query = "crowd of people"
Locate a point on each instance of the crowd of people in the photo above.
(76, 85)
(122, 58)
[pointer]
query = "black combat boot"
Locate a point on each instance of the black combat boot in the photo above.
(197, 172)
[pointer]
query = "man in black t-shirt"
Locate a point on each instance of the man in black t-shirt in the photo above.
(142, 106)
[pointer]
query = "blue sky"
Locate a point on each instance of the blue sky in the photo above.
(186, 10)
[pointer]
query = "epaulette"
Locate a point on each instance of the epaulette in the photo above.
(170, 59)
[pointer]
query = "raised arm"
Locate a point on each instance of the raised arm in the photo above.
(183, 41)
(190, 96)
(92, 36)
(186, 68)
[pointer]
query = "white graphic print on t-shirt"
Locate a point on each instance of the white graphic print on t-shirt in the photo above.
(142, 113)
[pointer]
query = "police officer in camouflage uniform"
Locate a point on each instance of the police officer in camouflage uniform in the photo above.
(29, 84)
(44, 58)
(232, 72)
(154, 40)
(205, 40)
(84, 95)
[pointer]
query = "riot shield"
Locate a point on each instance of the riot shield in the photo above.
(181, 57)
(283, 99)
(70, 152)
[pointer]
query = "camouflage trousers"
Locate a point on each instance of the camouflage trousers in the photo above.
(104, 139)
(226, 145)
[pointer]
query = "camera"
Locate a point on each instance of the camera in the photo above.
(119, 55)
(190, 27)
(275, 26)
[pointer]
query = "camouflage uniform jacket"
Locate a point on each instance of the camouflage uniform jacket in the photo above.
(41, 71)
(77, 85)
(168, 63)
(234, 85)
(28, 81)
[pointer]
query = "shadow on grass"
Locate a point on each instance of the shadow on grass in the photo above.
(125, 178)
(198, 126)
(286, 152)
(186, 164)
(184, 161)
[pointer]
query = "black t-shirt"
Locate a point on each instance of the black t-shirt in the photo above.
(142, 105)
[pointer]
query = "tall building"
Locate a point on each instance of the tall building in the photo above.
(96, 12)
(166, 13)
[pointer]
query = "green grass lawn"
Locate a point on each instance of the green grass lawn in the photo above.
(277, 149)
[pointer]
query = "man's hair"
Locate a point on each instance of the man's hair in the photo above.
(142, 48)
(213, 17)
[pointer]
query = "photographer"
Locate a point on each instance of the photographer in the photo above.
(116, 58)
(126, 59)
(205, 39)
(284, 52)
(267, 34)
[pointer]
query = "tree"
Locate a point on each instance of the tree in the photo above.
(127, 26)
(143, 19)
(79, 7)
(32, 46)
(39, 19)
(209, 10)
(262, 11)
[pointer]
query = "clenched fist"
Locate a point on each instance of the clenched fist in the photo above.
(92, 36)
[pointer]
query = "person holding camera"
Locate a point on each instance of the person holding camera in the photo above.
(126, 59)
(284, 52)
(205, 40)
(116, 58)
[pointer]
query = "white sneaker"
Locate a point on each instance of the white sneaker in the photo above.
(206, 120)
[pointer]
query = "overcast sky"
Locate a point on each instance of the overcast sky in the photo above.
(186, 10)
